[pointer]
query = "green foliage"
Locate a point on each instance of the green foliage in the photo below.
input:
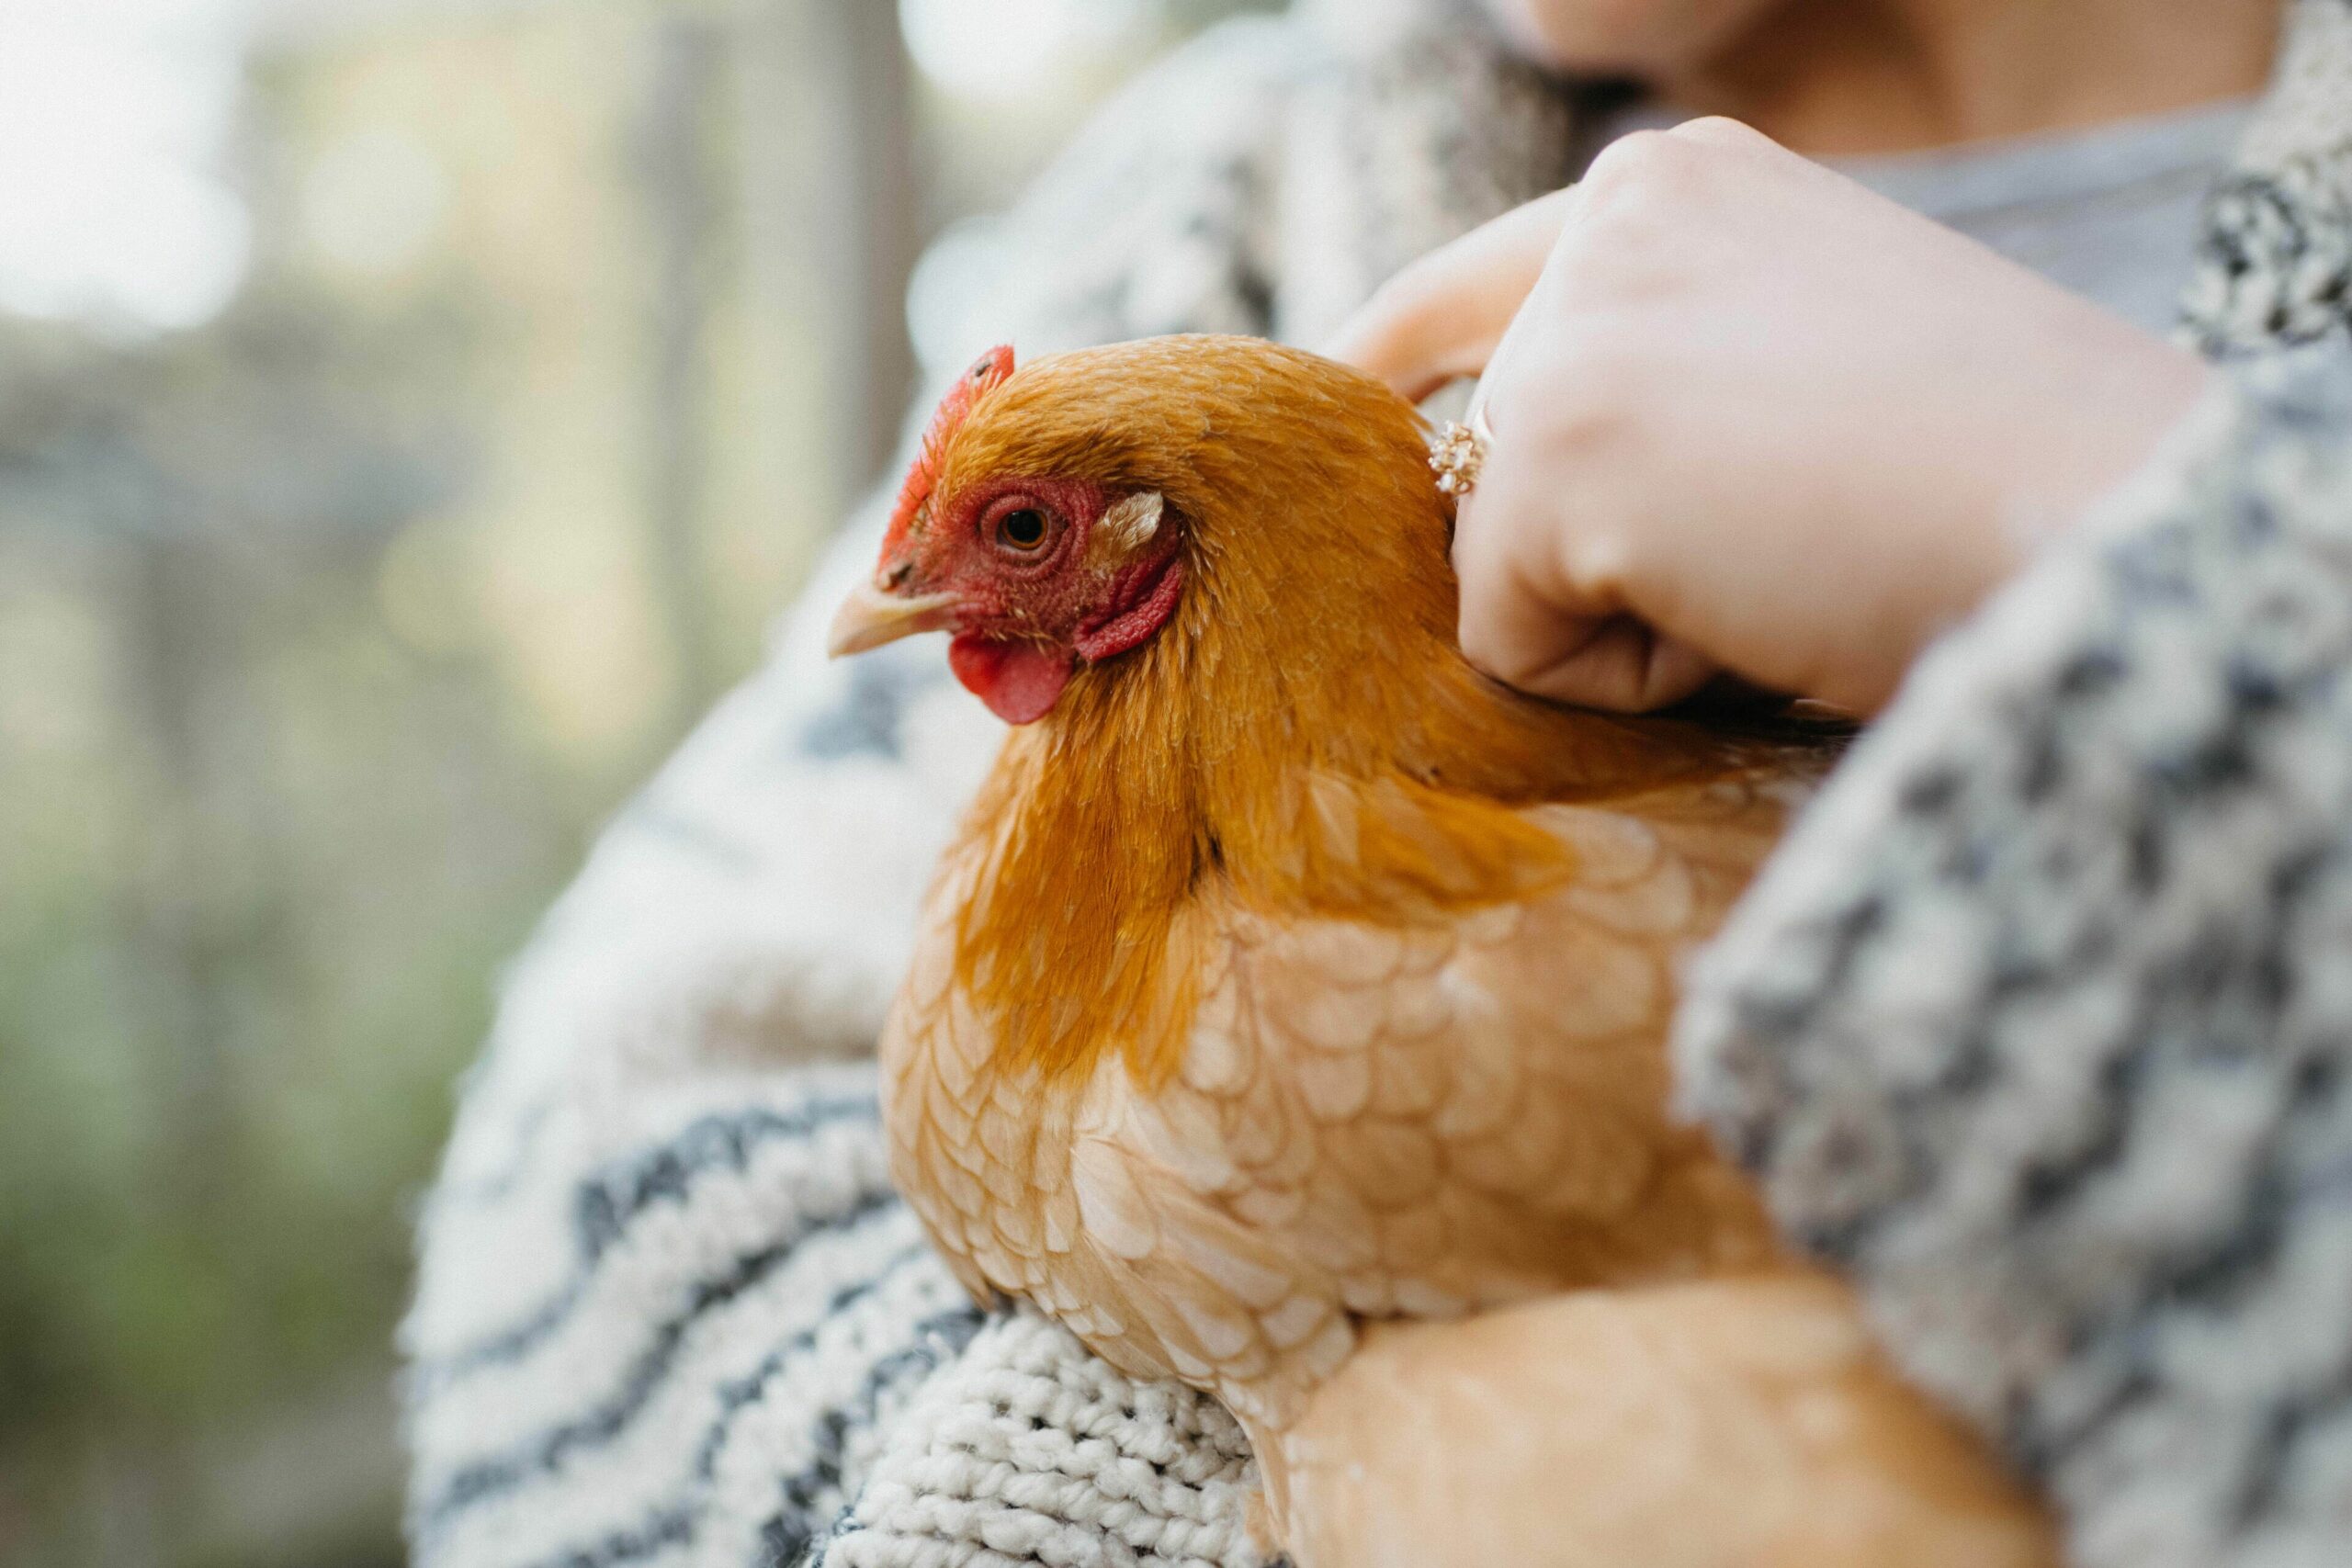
(261, 859)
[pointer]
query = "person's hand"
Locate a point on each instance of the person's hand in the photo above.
(1748, 414)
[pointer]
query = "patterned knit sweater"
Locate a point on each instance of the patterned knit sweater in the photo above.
(2039, 1023)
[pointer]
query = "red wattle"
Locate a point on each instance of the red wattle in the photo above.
(1146, 597)
(1020, 681)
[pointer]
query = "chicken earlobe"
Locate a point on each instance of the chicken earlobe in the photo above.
(1125, 526)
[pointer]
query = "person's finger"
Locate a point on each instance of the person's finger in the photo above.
(1622, 666)
(1441, 317)
(1613, 663)
(1524, 622)
(1517, 617)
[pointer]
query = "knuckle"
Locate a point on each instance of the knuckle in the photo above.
(1581, 409)
(1637, 164)
(1479, 644)
(1719, 130)
(1637, 198)
(1491, 649)
(1600, 562)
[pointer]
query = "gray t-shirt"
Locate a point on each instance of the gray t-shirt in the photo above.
(2109, 213)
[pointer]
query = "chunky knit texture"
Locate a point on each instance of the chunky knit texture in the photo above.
(2037, 1023)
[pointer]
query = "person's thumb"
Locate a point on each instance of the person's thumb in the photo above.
(1442, 315)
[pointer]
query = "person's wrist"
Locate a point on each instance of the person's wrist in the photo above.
(2096, 431)
(2073, 429)
(2086, 430)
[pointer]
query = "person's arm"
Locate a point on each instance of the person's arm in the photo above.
(2041, 1023)
(1747, 414)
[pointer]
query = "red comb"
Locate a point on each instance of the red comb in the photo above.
(987, 373)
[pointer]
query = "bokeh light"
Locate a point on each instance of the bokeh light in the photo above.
(1003, 49)
(374, 202)
(115, 122)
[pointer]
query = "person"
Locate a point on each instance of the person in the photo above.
(1843, 369)
(1722, 359)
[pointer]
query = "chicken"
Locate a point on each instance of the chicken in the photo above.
(1287, 973)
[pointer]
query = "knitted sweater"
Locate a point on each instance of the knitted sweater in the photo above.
(2034, 1024)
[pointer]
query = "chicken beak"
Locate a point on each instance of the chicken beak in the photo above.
(870, 617)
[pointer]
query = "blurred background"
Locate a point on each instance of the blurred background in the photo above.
(410, 412)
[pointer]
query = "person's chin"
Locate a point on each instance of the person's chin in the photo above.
(1641, 38)
(1529, 37)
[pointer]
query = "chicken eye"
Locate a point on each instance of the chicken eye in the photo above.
(1023, 529)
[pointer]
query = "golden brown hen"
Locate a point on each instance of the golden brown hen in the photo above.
(1287, 972)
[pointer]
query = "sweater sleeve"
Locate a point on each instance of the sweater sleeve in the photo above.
(2039, 1023)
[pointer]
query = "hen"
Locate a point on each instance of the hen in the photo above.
(1288, 973)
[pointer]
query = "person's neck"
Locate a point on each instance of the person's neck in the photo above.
(1847, 77)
